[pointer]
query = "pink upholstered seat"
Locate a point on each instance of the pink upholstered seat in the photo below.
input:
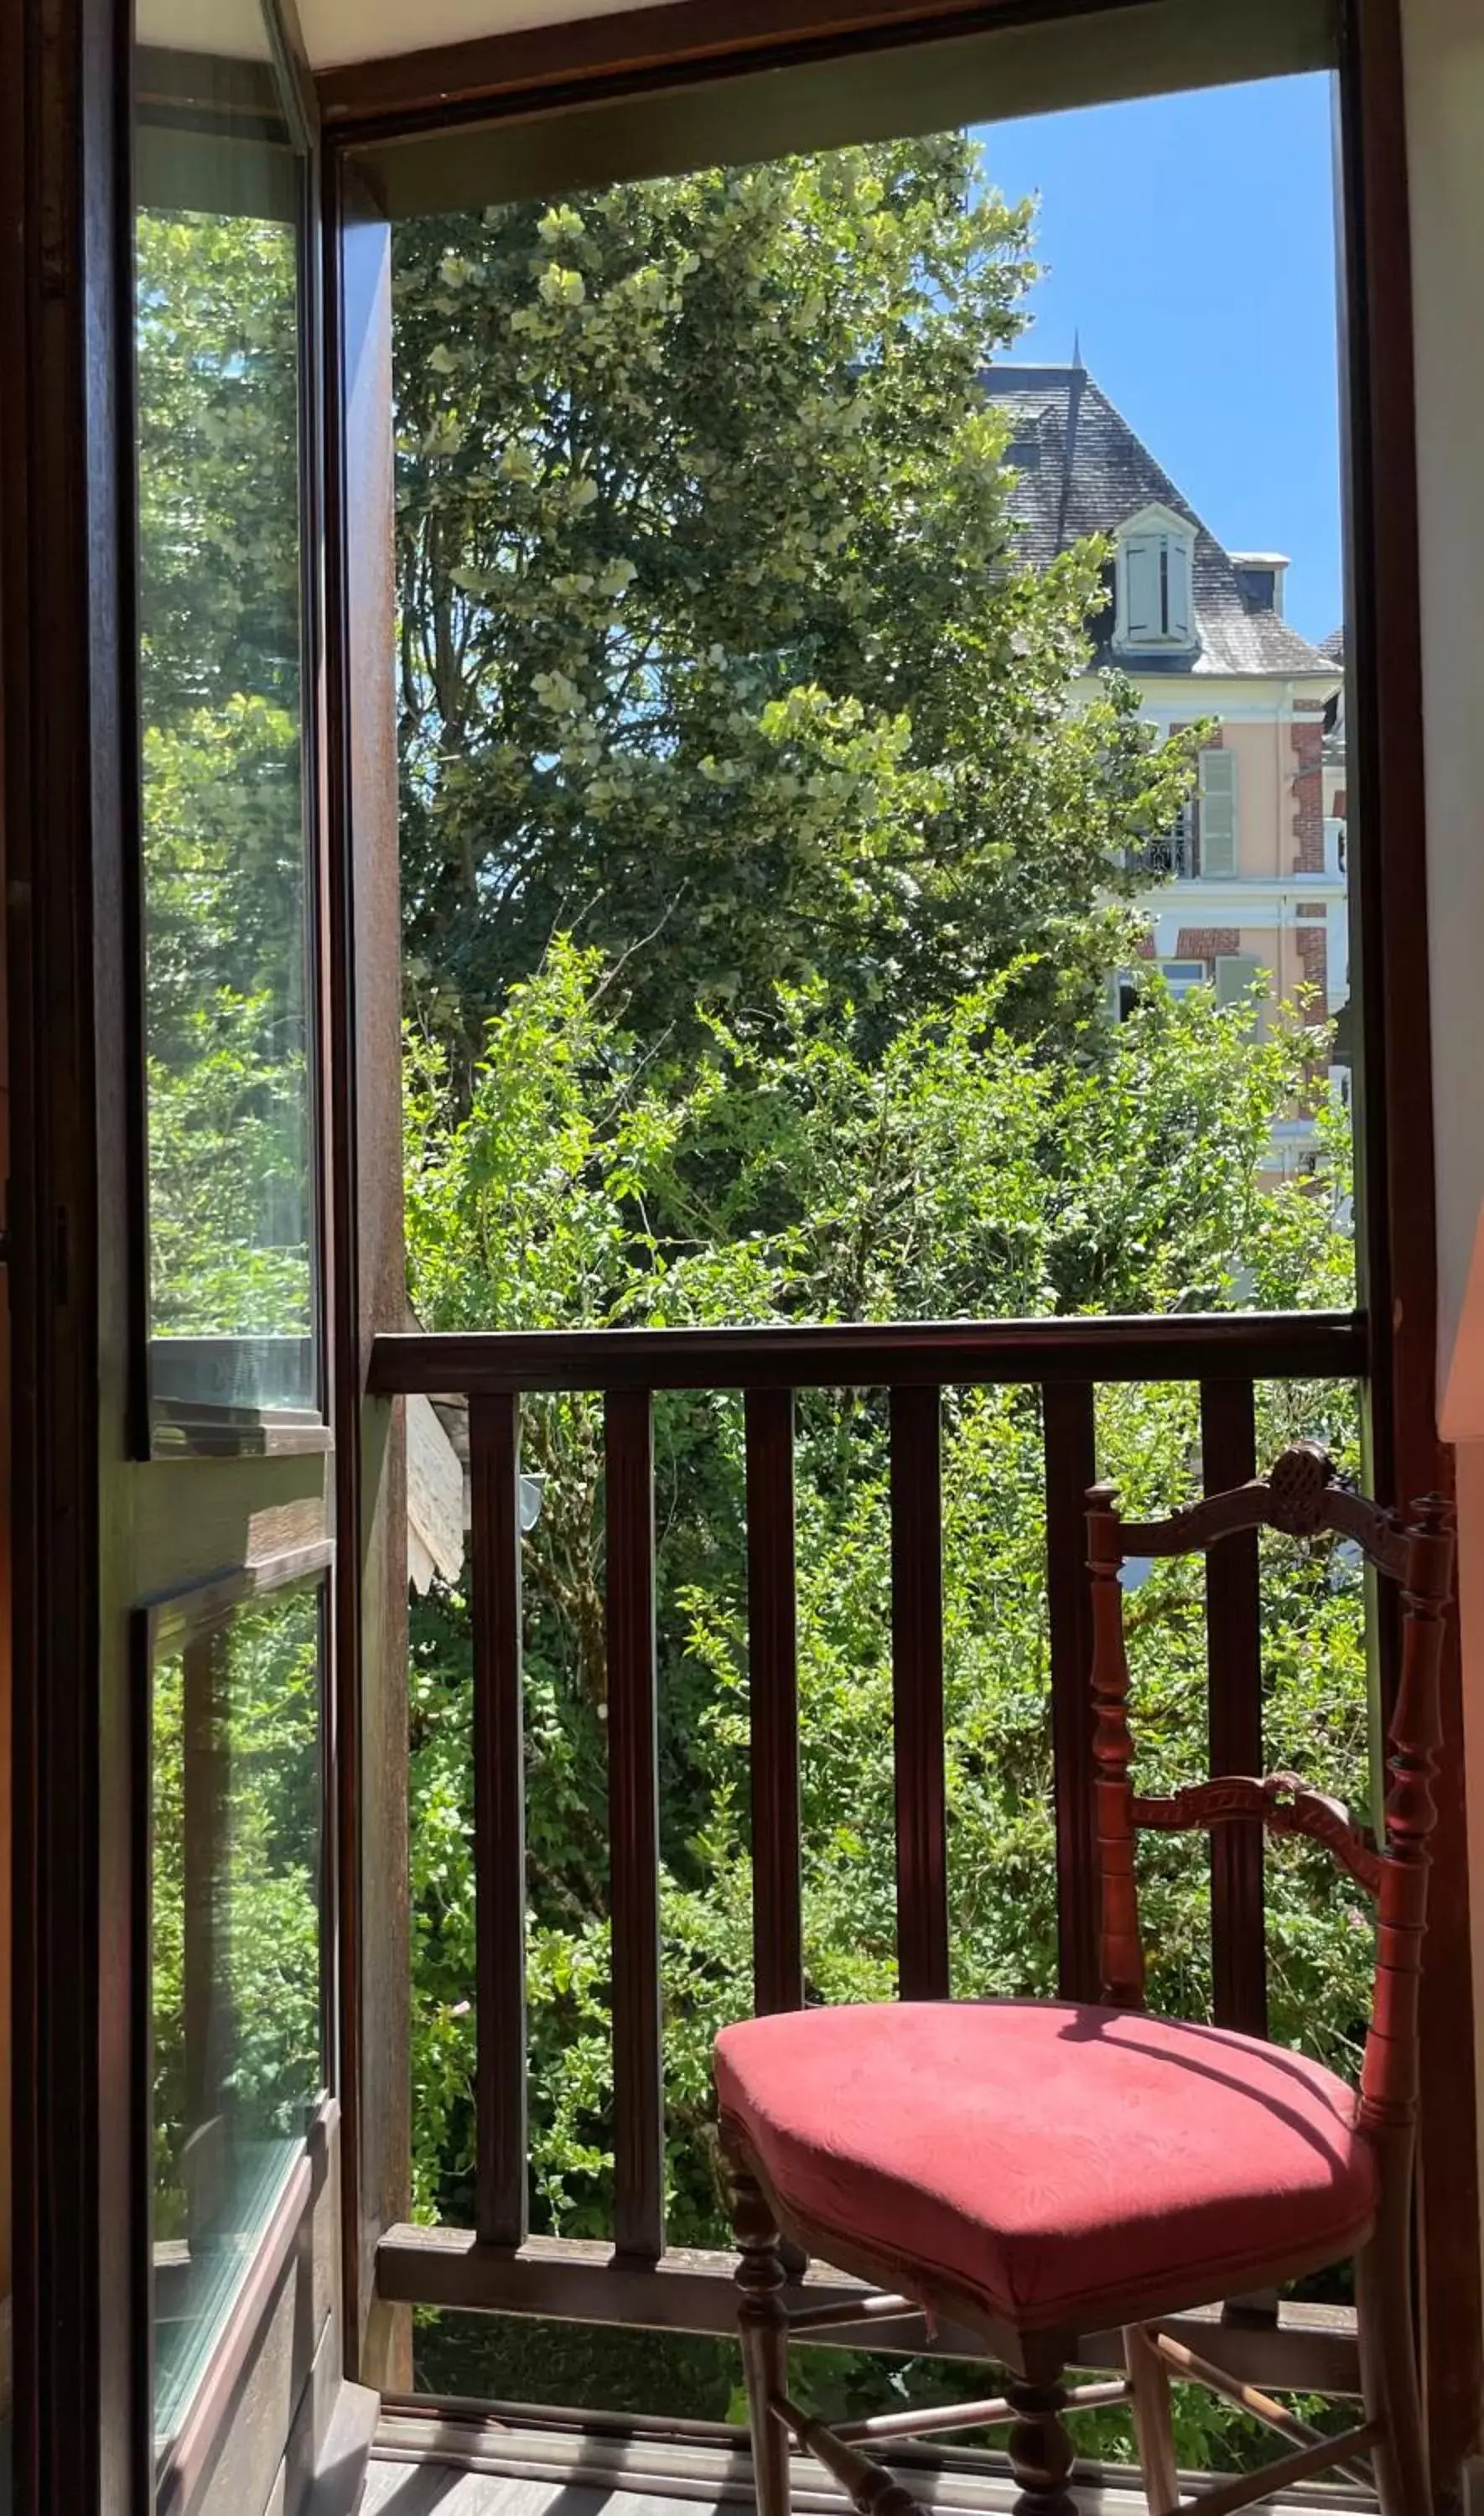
(1043, 2157)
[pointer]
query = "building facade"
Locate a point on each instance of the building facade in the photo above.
(1251, 882)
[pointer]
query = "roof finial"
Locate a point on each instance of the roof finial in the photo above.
(1077, 351)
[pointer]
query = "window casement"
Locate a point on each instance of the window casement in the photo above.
(1155, 592)
(1236, 974)
(1183, 978)
(1218, 790)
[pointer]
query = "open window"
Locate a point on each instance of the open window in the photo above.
(213, 1296)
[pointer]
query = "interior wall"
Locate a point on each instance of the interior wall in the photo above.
(1445, 131)
(1444, 41)
(5, 1693)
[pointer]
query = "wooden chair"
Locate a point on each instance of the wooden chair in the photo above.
(1037, 2171)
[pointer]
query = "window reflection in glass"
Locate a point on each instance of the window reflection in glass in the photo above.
(222, 680)
(234, 1956)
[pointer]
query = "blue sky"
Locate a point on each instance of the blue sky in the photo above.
(1191, 243)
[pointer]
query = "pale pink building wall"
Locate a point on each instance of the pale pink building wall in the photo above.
(1258, 751)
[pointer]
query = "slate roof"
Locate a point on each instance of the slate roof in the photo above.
(1083, 469)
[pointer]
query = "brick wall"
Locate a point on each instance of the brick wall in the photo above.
(1306, 735)
(1204, 942)
(1314, 959)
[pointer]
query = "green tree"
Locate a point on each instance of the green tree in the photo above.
(954, 1173)
(795, 1175)
(231, 1161)
(217, 393)
(715, 645)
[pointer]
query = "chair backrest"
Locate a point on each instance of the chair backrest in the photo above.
(1303, 1498)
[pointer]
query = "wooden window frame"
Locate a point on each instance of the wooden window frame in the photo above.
(70, 766)
(649, 49)
(169, 1623)
(89, 1511)
(653, 50)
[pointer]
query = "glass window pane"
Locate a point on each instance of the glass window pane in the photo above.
(228, 1027)
(234, 1958)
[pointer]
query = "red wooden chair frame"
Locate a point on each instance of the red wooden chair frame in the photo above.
(1301, 1498)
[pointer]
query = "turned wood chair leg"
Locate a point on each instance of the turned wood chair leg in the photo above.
(1153, 2422)
(763, 2328)
(1389, 2366)
(1039, 2448)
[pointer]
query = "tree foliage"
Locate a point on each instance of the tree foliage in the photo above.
(796, 1178)
(717, 650)
(236, 2042)
(224, 892)
(763, 879)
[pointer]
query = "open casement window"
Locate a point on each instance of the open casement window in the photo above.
(193, 1594)
(233, 1580)
(201, 824)
(1218, 799)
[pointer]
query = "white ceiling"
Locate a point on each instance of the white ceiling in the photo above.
(233, 29)
(354, 30)
(360, 30)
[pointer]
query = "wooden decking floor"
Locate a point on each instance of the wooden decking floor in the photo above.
(460, 2468)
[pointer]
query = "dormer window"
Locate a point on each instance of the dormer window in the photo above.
(1260, 576)
(1155, 601)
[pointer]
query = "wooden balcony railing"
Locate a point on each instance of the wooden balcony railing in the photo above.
(637, 2280)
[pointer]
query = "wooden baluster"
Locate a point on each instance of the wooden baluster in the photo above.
(1234, 1661)
(773, 1672)
(499, 1757)
(1069, 1433)
(638, 2117)
(1122, 1955)
(917, 1693)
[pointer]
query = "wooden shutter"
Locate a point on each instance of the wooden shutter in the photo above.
(1178, 605)
(1235, 974)
(1219, 813)
(1141, 588)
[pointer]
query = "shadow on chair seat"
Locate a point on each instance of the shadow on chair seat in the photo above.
(1049, 2161)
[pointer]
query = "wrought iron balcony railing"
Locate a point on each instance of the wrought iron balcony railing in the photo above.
(1173, 857)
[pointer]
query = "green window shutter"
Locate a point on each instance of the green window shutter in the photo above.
(1219, 813)
(1141, 588)
(1177, 590)
(1235, 974)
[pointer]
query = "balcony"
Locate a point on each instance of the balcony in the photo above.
(1173, 857)
(634, 2278)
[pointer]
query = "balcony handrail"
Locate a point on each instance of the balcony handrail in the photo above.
(1123, 1345)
